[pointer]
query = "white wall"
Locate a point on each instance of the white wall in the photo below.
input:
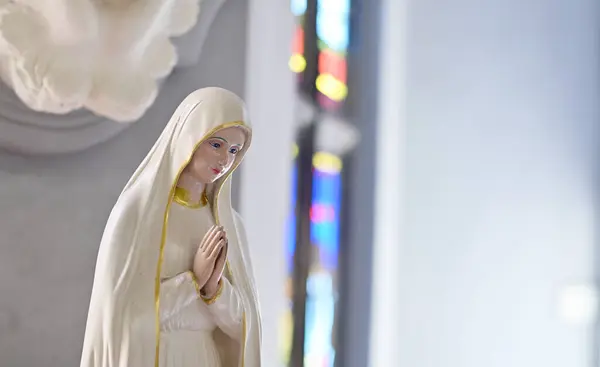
(502, 109)
(265, 181)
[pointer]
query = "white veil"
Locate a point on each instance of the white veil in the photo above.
(123, 327)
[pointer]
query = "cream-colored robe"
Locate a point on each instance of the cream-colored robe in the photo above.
(187, 320)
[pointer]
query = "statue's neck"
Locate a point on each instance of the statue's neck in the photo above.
(193, 188)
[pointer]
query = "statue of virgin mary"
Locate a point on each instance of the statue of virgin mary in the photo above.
(173, 283)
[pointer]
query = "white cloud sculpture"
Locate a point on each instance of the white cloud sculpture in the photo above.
(104, 55)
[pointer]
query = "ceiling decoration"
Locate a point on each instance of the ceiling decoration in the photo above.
(103, 55)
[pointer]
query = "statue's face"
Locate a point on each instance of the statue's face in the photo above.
(215, 156)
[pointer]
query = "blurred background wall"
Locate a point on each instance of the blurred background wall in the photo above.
(502, 117)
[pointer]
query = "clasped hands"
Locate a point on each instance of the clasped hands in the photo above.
(210, 259)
